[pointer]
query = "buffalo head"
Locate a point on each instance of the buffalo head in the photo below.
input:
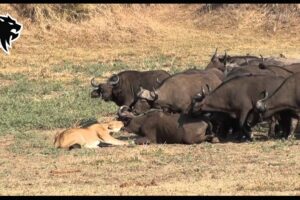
(141, 106)
(125, 116)
(104, 90)
(218, 62)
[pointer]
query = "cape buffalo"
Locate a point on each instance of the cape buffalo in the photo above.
(175, 94)
(156, 126)
(286, 98)
(227, 62)
(123, 87)
(272, 70)
(237, 97)
(221, 122)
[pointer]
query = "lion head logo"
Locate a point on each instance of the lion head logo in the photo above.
(9, 31)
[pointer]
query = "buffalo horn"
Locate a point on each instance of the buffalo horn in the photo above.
(203, 91)
(120, 111)
(216, 51)
(154, 93)
(208, 88)
(158, 81)
(139, 93)
(262, 57)
(93, 83)
(215, 54)
(154, 90)
(225, 58)
(266, 96)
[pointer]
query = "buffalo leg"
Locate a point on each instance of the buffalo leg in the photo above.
(142, 140)
(243, 126)
(278, 126)
(235, 127)
(293, 126)
(286, 122)
(272, 124)
(209, 134)
(248, 132)
(223, 128)
(198, 137)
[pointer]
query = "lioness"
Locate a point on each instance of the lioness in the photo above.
(89, 137)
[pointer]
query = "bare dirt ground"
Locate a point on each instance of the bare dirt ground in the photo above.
(44, 86)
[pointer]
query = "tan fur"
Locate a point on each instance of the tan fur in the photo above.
(89, 137)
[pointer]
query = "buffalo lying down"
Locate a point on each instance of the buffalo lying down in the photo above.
(155, 126)
(123, 87)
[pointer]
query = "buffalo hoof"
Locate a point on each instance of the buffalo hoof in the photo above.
(215, 140)
(142, 141)
(243, 139)
(291, 137)
(271, 137)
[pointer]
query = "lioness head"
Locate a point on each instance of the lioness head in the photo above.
(114, 126)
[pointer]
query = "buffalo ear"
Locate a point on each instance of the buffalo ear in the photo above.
(146, 94)
(264, 94)
(114, 80)
(198, 97)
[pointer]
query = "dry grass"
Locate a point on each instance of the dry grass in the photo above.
(58, 44)
(259, 168)
(128, 33)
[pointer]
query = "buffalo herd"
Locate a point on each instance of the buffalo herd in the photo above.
(227, 98)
